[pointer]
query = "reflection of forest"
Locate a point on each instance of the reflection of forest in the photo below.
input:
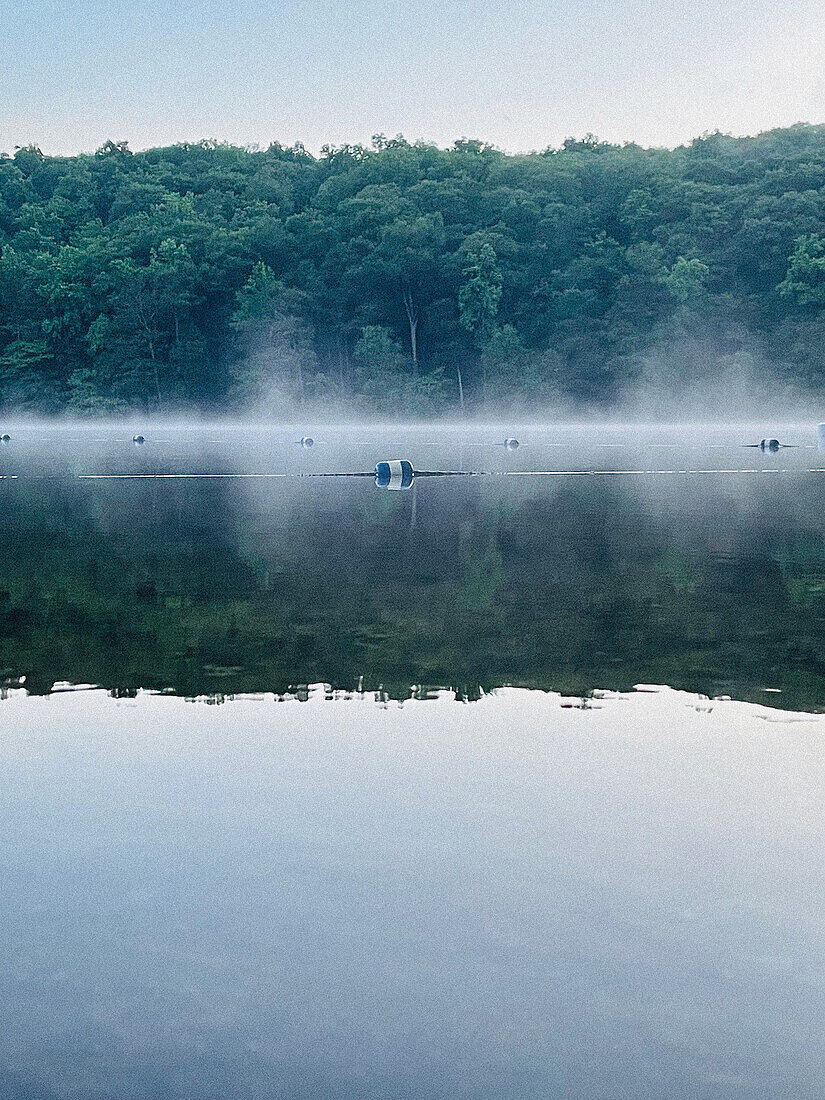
(199, 590)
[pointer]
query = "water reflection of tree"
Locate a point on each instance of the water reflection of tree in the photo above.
(198, 592)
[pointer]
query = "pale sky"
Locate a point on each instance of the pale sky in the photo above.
(74, 73)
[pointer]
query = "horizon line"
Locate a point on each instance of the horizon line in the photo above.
(589, 138)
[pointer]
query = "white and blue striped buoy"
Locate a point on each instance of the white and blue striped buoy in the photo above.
(769, 445)
(138, 439)
(398, 473)
(511, 444)
(307, 441)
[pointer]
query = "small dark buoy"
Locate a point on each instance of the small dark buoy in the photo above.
(5, 438)
(769, 445)
(307, 441)
(512, 444)
(138, 439)
(398, 473)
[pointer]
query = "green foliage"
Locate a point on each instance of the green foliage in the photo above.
(382, 378)
(258, 299)
(377, 355)
(686, 278)
(805, 280)
(514, 374)
(480, 292)
(85, 397)
(205, 275)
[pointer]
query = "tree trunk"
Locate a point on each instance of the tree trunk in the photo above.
(460, 388)
(300, 379)
(343, 361)
(412, 319)
(144, 320)
(157, 376)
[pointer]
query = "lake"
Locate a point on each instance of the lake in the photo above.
(506, 785)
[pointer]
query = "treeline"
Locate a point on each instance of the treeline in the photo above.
(407, 279)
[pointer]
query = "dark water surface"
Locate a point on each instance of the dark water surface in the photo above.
(363, 888)
(697, 577)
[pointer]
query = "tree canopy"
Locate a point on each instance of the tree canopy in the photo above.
(402, 277)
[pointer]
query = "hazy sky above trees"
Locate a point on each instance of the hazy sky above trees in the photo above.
(522, 75)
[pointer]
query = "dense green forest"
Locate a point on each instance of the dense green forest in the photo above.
(407, 279)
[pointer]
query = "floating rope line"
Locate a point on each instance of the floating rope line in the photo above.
(169, 477)
(408, 474)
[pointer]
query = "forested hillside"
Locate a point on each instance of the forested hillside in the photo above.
(406, 279)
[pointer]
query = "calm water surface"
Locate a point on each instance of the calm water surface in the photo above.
(504, 786)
